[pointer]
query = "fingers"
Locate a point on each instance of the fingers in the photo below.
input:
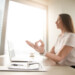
(36, 46)
(42, 44)
(30, 44)
(39, 43)
(40, 48)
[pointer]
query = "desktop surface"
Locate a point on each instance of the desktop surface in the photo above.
(51, 70)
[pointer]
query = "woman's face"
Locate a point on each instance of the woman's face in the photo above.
(59, 23)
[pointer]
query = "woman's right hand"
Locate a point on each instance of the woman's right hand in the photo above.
(38, 48)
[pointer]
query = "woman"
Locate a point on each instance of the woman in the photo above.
(63, 51)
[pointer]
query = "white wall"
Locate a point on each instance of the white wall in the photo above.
(54, 9)
(44, 2)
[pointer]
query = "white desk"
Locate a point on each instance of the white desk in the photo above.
(52, 70)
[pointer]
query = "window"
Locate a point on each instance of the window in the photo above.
(25, 22)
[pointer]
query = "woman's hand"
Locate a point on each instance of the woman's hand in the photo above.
(36, 46)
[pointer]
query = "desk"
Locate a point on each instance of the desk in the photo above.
(51, 70)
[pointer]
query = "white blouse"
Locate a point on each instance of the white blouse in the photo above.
(69, 40)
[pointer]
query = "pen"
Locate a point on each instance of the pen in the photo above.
(17, 64)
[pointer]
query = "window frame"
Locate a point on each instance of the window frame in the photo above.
(3, 32)
(28, 2)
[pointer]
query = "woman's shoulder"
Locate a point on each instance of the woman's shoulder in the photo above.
(70, 39)
(69, 35)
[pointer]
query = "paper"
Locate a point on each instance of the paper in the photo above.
(34, 66)
(31, 66)
(17, 66)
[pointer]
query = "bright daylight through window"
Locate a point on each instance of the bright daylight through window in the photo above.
(25, 22)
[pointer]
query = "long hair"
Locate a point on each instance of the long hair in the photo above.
(67, 22)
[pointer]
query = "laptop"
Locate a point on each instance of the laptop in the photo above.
(17, 58)
(18, 62)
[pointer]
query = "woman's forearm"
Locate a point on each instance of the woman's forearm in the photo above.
(54, 57)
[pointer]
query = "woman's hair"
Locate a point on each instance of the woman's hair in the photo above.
(67, 22)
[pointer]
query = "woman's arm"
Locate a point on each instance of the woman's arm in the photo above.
(61, 55)
(52, 50)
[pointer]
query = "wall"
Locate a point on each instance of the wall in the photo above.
(56, 7)
(45, 2)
